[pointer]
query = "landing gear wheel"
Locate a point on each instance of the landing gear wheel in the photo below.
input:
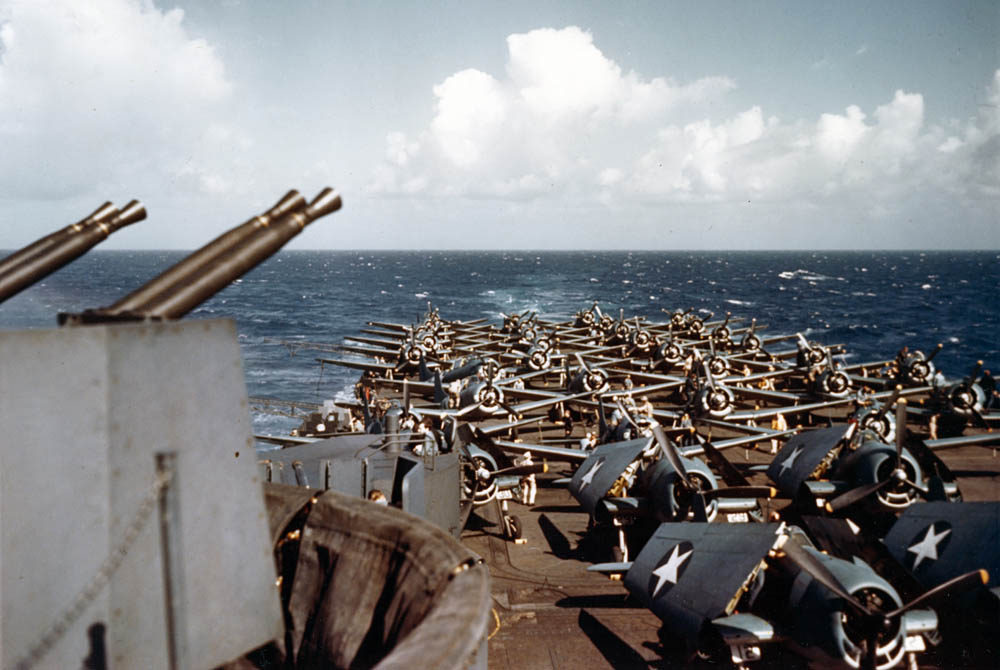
(514, 527)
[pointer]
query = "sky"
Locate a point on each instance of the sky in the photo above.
(516, 125)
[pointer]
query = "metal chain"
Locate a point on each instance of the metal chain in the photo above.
(97, 583)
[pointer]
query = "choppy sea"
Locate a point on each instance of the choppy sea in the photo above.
(872, 302)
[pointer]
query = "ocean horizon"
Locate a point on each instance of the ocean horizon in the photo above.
(872, 302)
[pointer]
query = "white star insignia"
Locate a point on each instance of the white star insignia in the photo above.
(589, 477)
(668, 571)
(790, 461)
(927, 547)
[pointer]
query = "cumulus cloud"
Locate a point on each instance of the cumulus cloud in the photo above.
(553, 122)
(566, 120)
(94, 93)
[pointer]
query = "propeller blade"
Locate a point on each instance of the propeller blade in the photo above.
(510, 410)
(741, 492)
(521, 470)
(979, 416)
(625, 414)
(854, 495)
(884, 409)
(900, 430)
(708, 375)
(936, 351)
(406, 396)
(976, 369)
(672, 456)
(579, 359)
(815, 569)
(957, 585)
(730, 474)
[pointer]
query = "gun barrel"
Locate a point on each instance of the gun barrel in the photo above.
(67, 245)
(105, 211)
(249, 246)
(169, 282)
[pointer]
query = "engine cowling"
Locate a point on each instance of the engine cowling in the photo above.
(485, 490)
(672, 353)
(833, 383)
(876, 462)
(840, 632)
(717, 401)
(917, 370)
(750, 343)
(882, 424)
(966, 399)
(671, 500)
(539, 359)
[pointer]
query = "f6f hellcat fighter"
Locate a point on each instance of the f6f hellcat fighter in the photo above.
(728, 589)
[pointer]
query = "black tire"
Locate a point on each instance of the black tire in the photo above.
(514, 527)
(616, 555)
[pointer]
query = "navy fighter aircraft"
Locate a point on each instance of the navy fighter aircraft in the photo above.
(841, 466)
(727, 589)
(938, 541)
(648, 480)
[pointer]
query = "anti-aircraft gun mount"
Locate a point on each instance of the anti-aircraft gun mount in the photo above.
(92, 573)
(207, 271)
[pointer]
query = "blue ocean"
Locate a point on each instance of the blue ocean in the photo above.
(872, 302)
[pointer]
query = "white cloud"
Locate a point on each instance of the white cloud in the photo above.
(548, 126)
(563, 113)
(104, 92)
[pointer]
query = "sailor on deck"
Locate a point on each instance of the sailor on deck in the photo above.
(528, 486)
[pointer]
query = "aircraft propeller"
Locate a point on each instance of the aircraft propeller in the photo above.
(877, 422)
(871, 623)
(898, 475)
(812, 354)
(918, 369)
(594, 379)
(751, 343)
(966, 398)
(677, 463)
(723, 332)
